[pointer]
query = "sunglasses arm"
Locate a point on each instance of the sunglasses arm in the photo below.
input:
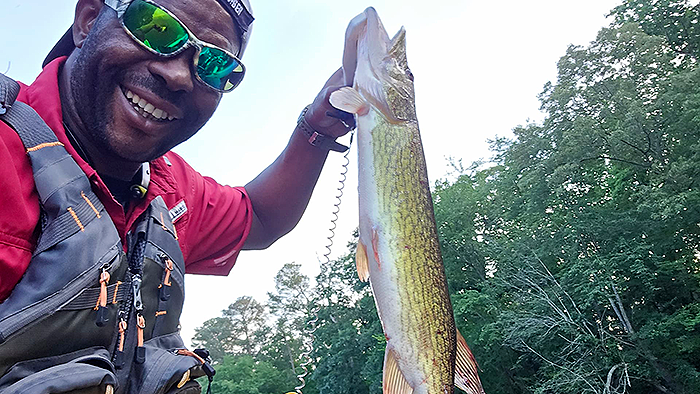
(118, 5)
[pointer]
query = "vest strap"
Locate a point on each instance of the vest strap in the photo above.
(70, 222)
(88, 298)
(34, 131)
(9, 89)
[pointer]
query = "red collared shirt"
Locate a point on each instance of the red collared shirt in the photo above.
(202, 207)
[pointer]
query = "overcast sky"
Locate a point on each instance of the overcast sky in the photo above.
(478, 68)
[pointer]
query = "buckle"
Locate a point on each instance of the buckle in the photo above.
(314, 137)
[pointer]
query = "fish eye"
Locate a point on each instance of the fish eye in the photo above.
(409, 74)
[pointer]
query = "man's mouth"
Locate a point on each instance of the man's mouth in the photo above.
(146, 109)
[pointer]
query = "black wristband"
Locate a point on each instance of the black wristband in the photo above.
(315, 138)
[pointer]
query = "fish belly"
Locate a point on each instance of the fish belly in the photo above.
(397, 227)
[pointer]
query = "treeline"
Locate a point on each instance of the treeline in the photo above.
(573, 254)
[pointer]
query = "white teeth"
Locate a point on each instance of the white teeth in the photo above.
(147, 109)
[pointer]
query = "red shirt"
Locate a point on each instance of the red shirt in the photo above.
(204, 207)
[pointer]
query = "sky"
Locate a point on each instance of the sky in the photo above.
(478, 67)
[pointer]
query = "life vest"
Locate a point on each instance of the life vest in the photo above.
(87, 317)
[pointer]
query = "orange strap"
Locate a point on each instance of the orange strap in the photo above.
(77, 220)
(122, 333)
(116, 291)
(168, 269)
(102, 300)
(91, 204)
(44, 145)
(185, 352)
(141, 323)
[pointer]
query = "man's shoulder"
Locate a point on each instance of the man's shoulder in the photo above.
(19, 209)
(12, 151)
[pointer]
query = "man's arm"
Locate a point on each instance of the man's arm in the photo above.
(280, 193)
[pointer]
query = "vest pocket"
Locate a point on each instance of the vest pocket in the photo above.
(85, 371)
(165, 371)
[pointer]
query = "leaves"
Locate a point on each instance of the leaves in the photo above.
(572, 256)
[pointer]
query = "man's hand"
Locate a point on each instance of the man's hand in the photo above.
(323, 117)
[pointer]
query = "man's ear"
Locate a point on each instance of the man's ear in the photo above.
(86, 12)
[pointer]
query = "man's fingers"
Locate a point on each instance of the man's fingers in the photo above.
(346, 118)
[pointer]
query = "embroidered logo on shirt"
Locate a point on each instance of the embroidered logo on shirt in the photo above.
(177, 211)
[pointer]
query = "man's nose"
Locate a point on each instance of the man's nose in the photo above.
(175, 71)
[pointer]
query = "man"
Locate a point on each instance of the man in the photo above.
(129, 81)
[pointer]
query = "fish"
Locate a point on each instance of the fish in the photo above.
(398, 249)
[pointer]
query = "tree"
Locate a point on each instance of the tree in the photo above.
(572, 256)
(288, 304)
(240, 330)
(349, 345)
(675, 20)
(216, 335)
(243, 375)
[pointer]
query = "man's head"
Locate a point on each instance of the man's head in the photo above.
(130, 103)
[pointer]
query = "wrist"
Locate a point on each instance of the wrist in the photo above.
(315, 138)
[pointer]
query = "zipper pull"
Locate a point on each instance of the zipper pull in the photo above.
(119, 355)
(136, 288)
(140, 356)
(165, 286)
(101, 307)
(140, 349)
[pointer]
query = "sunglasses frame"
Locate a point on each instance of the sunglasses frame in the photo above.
(120, 6)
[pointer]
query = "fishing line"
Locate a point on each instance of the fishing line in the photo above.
(311, 327)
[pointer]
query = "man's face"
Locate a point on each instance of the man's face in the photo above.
(111, 69)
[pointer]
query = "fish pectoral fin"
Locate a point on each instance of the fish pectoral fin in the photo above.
(393, 381)
(362, 261)
(349, 100)
(466, 368)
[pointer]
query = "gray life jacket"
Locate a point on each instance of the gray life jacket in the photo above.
(87, 317)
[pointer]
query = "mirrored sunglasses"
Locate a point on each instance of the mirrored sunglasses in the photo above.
(162, 33)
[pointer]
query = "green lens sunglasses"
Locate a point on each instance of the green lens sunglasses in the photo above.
(160, 32)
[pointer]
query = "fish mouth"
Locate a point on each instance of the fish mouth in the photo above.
(373, 64)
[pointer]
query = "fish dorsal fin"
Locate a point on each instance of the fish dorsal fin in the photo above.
(362, 261)
(349, 100)
(393, 381)
(398, 48)
(466, 374)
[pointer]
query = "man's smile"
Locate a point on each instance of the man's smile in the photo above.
(153, 110)
(145, 108)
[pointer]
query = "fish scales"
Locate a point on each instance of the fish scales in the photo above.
(398, 249)
(406, 209)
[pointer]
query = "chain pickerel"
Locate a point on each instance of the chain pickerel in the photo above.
(398, 249)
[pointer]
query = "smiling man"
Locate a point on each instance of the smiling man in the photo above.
(104, 220)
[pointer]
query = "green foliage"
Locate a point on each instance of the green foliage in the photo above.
(243, 375)
(572, 256)
(240, 330)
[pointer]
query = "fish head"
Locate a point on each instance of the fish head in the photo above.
(377, 67)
